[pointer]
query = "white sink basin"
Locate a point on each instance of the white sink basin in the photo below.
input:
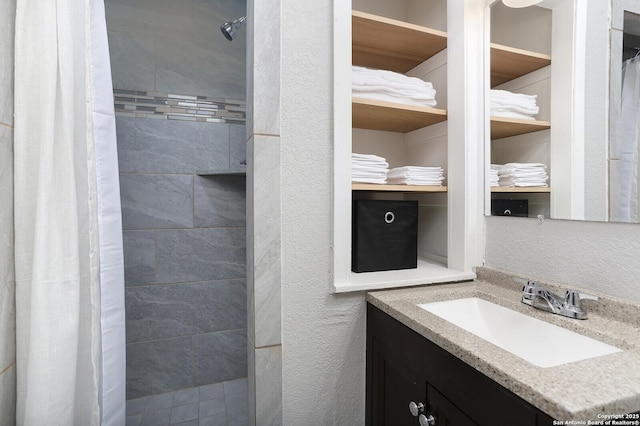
(540, 343)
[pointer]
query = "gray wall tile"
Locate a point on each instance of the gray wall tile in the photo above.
(132, 60)
(200, 254)
(7, 29)
(176, 47)
(219, 201)
(238, 146)
(156, 201)
(139, 257)
(7, 284)
(218, 357)
(238, 304)
(173, 310)
(8, 397)
(7, 325)
(210, 14)
(184, 413)
(268, 368)
(158, 367)
(194, 67)
(169, 146)
(153, 17)
(6, 212)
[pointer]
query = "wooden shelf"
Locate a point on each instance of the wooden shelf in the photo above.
(384, 43)
(502, 127)
(396, 188)
(392, 117)
(516, 189)
(508, 63)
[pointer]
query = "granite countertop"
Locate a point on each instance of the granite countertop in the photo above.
(580, 391)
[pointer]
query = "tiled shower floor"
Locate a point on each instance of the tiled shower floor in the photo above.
(220, 404)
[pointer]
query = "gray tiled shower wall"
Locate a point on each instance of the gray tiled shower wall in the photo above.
(184, 234)
(185, 254)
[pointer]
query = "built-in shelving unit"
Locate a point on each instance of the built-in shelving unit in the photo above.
(393, 117)
(383, 43)
(396, 188)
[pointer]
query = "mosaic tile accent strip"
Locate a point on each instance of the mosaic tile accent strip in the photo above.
(167, 106)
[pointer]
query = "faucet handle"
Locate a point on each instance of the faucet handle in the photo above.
(584, 296)
(529, 287)
(573, 297)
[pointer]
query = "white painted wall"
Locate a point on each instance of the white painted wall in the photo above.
(597, 256)
(323, 334)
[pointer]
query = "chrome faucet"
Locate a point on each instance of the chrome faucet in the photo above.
(541, 298)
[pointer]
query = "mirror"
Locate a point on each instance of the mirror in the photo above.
(624, 112)
(580, 94)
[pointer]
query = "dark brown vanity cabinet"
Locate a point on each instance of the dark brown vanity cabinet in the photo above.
(404, 367)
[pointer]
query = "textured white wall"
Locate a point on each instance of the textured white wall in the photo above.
(323, 341)
(597, 256)
(7, 276)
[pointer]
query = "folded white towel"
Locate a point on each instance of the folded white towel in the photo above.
(379, 181)
(523, 166)
(416, 175)
(394, 99)
(367, 157)
(418, 169)
(368, 168)
(524, 184)
(416, 181)
(504, 96)
(362, 76)
(390, 86)
(510, 114)
(513, 105)
(372, 175)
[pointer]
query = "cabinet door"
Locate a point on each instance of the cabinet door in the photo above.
(394, 386)
(444, 411)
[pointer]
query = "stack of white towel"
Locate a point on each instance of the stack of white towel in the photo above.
(368, 168)
(523, 175)
(391, 86)
(513, 105)
(493, 179)
(416, 175)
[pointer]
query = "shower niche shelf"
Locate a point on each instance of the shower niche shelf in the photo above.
(224, 172)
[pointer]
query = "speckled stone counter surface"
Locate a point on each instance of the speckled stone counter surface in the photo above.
(579, 391)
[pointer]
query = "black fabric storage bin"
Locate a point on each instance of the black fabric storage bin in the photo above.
(384, 235)
(502, 207)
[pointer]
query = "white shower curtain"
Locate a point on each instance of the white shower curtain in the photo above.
(68, 237)
(625, 194)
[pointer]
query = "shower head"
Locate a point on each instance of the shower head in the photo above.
(229, 28)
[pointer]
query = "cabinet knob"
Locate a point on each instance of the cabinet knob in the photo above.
(427, 420)
(416, 409)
